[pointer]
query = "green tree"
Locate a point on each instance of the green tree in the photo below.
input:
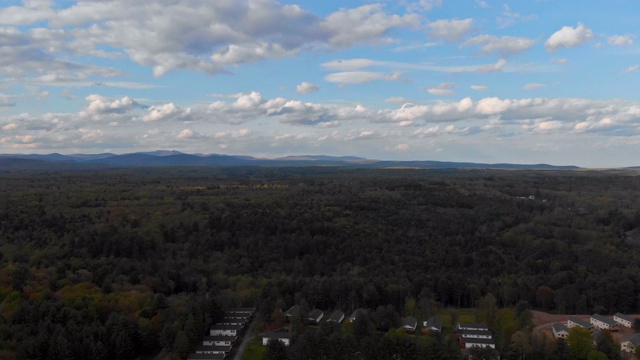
(608, 346)
(521, 343)
(580, 342)
(275, 350)
(597, 355)
(562, 351)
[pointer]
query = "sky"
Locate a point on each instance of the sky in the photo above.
(489, 81)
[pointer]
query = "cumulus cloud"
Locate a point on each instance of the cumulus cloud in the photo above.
(450, 30)
(306, 88)
(101, 105)
(168, 111)
(363, 24)
(444, 89)
(237, 32)
(569, 36)
(505, 45)
(620, 40)
(479, 87)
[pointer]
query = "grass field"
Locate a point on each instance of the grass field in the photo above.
(464, 315)
(254, 350)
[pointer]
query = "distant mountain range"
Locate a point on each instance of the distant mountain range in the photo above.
(12, 162)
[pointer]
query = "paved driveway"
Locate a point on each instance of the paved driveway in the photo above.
(247, 339)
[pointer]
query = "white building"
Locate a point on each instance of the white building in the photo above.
(219, 340)
(225, 330)
(631, 343)
(560, 331)
(603, 322)
(284, 338)
(574, 321)
(624, 320)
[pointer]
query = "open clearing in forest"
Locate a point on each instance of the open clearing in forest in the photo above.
(544, 321)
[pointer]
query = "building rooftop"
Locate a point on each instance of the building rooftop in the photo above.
(433, 323)
(604, 319)
(557, 327)
(580, 322)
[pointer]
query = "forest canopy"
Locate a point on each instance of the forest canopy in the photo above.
(125, 263)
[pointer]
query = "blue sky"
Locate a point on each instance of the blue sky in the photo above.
(465, 80)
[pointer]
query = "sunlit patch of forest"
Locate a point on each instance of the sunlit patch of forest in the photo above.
(123, 264)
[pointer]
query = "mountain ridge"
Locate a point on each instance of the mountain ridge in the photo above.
(162, 158)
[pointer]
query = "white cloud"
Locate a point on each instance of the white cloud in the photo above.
(168, 111)
(6, 100)
(482, 4)
(560, 60)
(366, 23)
(101, 105)
(631, 69)
(509, 17)
(306, 88)
(505, 45)
(620, 40)
(168, 34)
(569, 36)
(444, 89)
(31, 12)
(350, 64)
(533, 86)
(397, 100)
(492, 67)
(354, 77)
(479, 87)
(422, 5)
(452, 30)
(9, 126)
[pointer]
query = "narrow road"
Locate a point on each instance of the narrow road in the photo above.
(247, 338)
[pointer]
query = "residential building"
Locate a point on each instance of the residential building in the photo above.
(409, 324)
(432, 324)
(631, 343)
(315, 316)
(603, 322)
(574, 321)
(225, 330)
(336, 317)
(283, 337)
(624, 320)
(356, 313)
(219, 340)
(560, 331)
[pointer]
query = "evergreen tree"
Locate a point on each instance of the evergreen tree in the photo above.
(275, 350)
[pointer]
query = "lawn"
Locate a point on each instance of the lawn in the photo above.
(254, 350)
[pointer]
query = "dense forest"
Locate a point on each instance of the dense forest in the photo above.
(126, 264)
